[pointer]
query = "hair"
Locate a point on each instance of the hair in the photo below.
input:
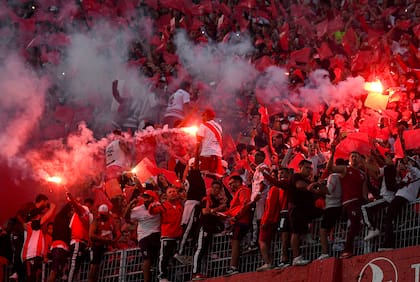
(260, 153)
(41, 197)
(89, 201)
(355, 152)
(236, 178)
(303, 162)
(185, 84)
(50, 224)
(340, 161)
(284, 169)
(217, 182)
(240, 147)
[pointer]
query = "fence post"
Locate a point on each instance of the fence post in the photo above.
(123, 266)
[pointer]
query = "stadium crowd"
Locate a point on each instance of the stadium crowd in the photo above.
(276, 165)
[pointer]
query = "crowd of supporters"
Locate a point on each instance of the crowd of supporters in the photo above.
(287, 167)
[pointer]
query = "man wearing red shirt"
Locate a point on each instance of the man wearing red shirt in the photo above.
(269, 222)
(171, 230)
(354, 192)
(241, 216)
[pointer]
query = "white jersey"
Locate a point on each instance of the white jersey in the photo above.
(411, 190)
(115, 155)
(147, 223)
(333, 198)
(210, 144)
(176, 104)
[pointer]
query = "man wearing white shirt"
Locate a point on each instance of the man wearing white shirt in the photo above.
(178, 106)
(209, 145)
(148, 231)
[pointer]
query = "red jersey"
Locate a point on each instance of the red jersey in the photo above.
(240, 199)
(171, 216)
(34, 244)
(352, 184)
(80, 226)
(272, 207)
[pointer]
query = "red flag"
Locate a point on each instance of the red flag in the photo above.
(284, 37)
(350, 41)
(398, 149)
(294, 163)
(301, 56)
(263, 63)
(324, 51)
(247, 4)
(360, 61)
(264, 115)
(411, 139)
(416, 31)
(336, 24)
(353, 142)
(229, 145)
(321, 28)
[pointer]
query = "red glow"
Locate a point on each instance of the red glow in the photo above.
(54, 179)
(374, 87)
(190, 130)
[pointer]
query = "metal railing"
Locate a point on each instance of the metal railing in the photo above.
(125, 265)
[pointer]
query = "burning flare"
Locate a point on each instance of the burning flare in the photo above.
(54, 179)
(190, 130)
(374, 87)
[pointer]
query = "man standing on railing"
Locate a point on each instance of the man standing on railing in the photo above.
(102, 235)
(209, 145)
(408, 193)
(210, 222)
(148, 230)
(171, 230)
(354, 193)
(240, 215)
(79, 225)
(302, 208)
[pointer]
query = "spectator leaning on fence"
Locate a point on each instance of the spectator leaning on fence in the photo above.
(302, 208)
(240, 216)
(102, 236)
(148, 230)
(211, 223)
(354, 194)
(171, 230)
(408, 192)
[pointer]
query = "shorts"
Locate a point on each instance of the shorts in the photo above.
(150, 245)
(59, 258)
(300, 217)
(239, 231)
(330, 217)
(211, 165)
(284, 223)
(97, 254)
(267, 232)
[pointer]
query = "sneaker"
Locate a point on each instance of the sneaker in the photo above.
(14, 276)
(282, 265)
(346, 255)
(300, 261)
(231, 271)
(323, 256)
(264, 267)
(372, 234)
(198, 276)
(308, 239)
(181, 259)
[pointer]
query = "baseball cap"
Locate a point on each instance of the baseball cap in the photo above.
(103, 209)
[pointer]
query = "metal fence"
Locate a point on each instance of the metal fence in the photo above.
(125, 265)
